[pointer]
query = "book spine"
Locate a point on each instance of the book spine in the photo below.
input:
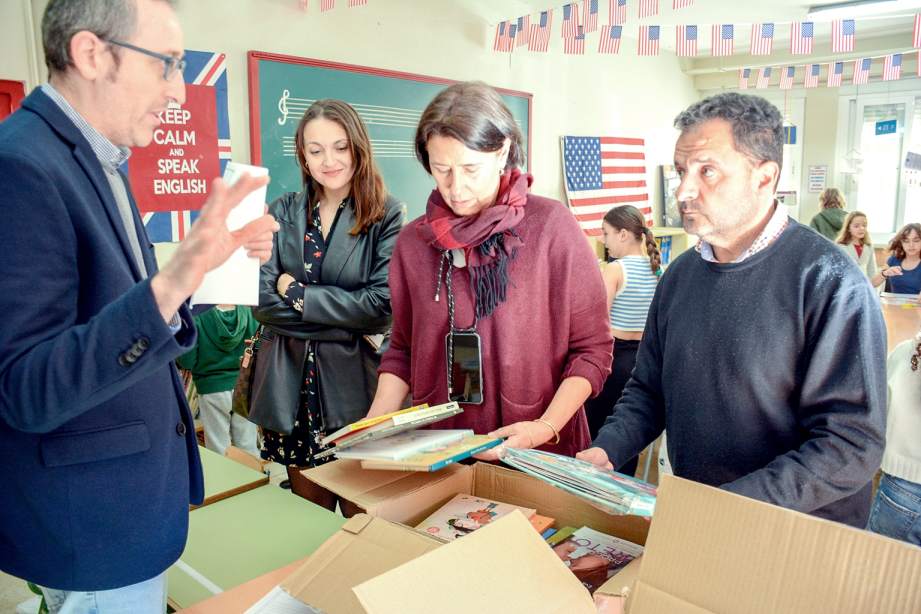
(466, 454)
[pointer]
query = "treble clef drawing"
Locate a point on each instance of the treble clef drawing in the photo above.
(283, 107)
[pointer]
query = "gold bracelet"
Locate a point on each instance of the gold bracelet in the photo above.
(556, 433)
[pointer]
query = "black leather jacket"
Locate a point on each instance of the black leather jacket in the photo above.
(351, 300)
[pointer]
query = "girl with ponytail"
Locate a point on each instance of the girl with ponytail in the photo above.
(630, 281)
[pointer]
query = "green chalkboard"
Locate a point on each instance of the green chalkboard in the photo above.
(390, 103)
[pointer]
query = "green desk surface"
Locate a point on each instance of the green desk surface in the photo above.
(242, 537)
(225, 477)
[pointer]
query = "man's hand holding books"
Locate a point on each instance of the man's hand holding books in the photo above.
(597, 457)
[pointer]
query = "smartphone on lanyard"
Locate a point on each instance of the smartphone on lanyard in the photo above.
(463, 350)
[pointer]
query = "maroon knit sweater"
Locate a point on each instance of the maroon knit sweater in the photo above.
(553, 325)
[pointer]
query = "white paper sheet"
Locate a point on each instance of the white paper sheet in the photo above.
(277, 601)
(236, 282)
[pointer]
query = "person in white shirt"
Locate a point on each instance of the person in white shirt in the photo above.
(855, 241)
(896, 510)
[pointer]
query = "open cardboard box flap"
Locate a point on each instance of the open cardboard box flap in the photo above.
(363, 548)
(504, 566)
(713, 551)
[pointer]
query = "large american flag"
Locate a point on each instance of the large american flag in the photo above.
(862, 71)
(648, 8)
(842, 35)
(722, 39)
(812, 75)
(649, 41)
(764, 78)
(801, 37)
(590, 15)
(892, 67)
(609, 41)
(576, 44)
(762, 39)
(786, 77)
(744, 74)
(835, 72)
(570, 20)
(539, 38)
(686, 43)
(523, 34)
(601, 173)
(617, 12)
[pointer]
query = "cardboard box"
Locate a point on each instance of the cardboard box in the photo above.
(410, 497)
(713, 551)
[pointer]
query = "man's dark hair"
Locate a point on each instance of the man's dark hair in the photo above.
(107, 19)
(757, 125)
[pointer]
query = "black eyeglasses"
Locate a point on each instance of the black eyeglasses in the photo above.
(171, 64)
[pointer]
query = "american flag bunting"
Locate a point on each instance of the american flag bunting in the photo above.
(523, 33)
(786, 77)
(682, 4)
(862, 71)
(892, 67)
(842, 35)
(503, 40)
(812, 75)
(723, 39)
(570, 20)
(762, 39)
(327, 5)
(744, 74)
(916, 33)
(539, 37)
(686, 43)
(835, 72)
(609, 41)
(764, 78)
(358, 3)
(590, 16)
(648, 8)
(576, 44)
(802, 35)
(648, 43)
(601, 173)
(617, 15)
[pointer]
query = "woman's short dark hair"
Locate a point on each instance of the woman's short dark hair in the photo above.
(757, 125)
(367, 188)
(474, 114)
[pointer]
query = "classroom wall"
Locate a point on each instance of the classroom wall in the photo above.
(591, 95)
(16, 44)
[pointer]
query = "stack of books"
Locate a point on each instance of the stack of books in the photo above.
(612, 492)
(392, 442)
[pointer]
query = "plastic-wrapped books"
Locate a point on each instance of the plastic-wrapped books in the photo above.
(609, 491)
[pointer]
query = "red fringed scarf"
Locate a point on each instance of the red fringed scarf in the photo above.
(488, 239)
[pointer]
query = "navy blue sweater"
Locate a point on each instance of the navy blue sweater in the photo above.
(768, 374)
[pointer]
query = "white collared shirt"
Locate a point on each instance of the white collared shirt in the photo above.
(774, 228)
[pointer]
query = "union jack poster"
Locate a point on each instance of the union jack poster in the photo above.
(171, 177)
(602, 172)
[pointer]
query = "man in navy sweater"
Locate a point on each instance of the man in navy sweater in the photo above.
(764, 350)
(99, 455)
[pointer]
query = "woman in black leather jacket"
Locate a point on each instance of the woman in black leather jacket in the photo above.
(323, 293)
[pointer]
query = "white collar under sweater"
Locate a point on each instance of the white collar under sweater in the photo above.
(902, 457)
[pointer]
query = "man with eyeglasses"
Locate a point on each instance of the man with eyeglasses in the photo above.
(99, 456)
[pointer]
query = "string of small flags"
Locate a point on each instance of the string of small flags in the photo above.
(860, 75)
(328, 5)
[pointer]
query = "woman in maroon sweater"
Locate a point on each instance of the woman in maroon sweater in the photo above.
(514, 266)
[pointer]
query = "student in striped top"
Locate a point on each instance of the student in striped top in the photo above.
(630, 282)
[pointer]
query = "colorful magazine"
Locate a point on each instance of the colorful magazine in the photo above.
(609, 491)
(594, 556)
(437, 459)
(464, 514)
(406, 444)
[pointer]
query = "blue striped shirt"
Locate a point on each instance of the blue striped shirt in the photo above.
(631, 304)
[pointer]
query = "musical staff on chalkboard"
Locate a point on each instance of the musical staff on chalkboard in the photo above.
(291, 108)
(382, 148)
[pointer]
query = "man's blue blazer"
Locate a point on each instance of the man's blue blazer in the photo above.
(97, 444)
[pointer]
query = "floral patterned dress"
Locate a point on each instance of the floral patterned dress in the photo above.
(300, 447)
